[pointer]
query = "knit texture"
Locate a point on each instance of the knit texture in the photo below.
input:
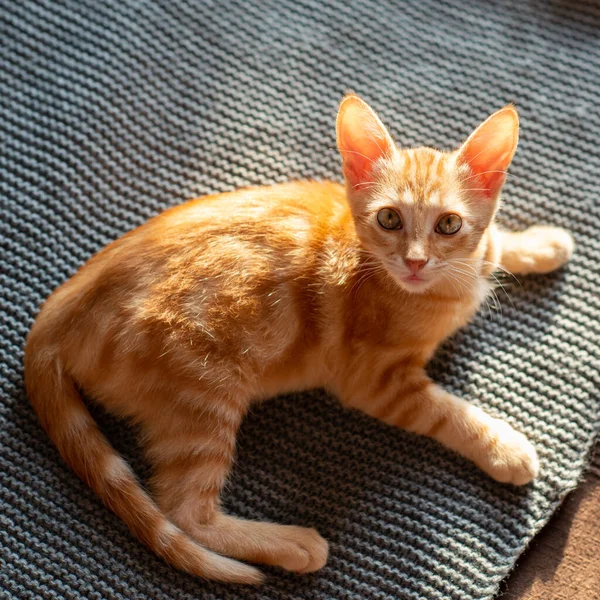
(111, 111)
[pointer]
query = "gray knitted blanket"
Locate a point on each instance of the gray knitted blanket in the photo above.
(111, 111)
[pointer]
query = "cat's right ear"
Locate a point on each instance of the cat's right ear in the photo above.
(362, 140)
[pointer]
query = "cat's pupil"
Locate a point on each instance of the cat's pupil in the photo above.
(389, 219)
(449, 224)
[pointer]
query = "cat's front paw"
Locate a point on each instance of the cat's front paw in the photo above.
(303, 550)
(546, 249)
(510, 457)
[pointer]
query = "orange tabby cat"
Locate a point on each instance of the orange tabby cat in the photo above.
(183, 323)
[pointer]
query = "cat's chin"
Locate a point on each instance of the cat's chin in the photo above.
(414, 285)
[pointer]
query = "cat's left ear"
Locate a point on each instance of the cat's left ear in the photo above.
(362, 139)
(489, 150)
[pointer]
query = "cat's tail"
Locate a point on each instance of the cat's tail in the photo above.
(85, 449)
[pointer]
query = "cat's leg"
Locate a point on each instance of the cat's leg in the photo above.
(411, 401)
(192, 453)
(298, 549)
(536, 250)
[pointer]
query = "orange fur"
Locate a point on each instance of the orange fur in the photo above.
(226, 300)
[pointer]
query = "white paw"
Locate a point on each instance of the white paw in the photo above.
(548, 248)
(510, 457)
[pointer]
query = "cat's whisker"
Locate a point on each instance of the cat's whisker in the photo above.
(451, 281)
(488, 172)
(367, 274)
(470, 266)
(363, 273)
(366, 183)
(466, 262)
(498, 304)
(499, 267)
(462, 278)
(495, 266)
(471, 276)
(504, 290)
(473, 190)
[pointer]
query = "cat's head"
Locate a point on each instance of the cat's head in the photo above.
(421, 212)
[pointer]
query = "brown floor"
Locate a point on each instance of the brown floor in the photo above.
(563, 560)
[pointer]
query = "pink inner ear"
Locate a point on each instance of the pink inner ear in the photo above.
(490, 148)
(362, 140)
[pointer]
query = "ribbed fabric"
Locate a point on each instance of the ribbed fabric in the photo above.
(111, 111)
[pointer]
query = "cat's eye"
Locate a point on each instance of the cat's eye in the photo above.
(449, 224)
(388, 218)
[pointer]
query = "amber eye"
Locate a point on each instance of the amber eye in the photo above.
(449, 224)
(388, 218)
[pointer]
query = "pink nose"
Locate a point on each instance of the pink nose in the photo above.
(415, 265)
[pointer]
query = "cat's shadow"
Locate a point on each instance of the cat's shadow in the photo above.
(516, 323)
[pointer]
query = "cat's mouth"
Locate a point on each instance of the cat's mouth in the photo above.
(414, 282)
(411, 282)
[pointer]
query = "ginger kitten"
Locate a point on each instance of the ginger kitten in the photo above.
(226, 300)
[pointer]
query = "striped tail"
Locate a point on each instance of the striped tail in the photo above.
(82, 445)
